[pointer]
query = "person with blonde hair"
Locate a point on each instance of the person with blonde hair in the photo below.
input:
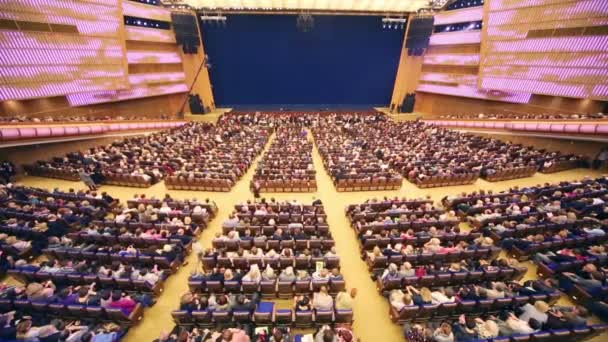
(538, 311)
(269, 274)
(287, 274)
(433, 246)
(344, 300)
(487, 329)
(424, 296)
(254, 274)
(322, 300)
(376, 252)
(406, 270)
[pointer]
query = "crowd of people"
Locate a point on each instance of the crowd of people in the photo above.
(104, 261)
(270, 249)
(423, 260)
(287, 165)
(525, 116)
(199, 153)
(361, 151)
(17, 119)
(244, 333)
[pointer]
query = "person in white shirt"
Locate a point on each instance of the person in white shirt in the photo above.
(443, 296)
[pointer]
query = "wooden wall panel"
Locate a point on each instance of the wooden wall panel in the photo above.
(59, 107)
(408, 73)
(587, 148)
(202, 85)
(434, 105)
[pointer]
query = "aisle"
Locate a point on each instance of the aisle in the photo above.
(372, 322)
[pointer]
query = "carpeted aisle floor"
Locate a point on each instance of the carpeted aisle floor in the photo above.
(372, 322)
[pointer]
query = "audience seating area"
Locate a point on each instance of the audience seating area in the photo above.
(266, 252)
(104, 262)
(528, 116)
(287, 165)
(432, 272)
(196, 156)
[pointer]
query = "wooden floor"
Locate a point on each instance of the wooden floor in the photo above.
(372, 322)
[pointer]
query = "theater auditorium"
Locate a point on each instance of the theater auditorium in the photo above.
(303, 170)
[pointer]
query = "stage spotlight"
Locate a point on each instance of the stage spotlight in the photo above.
(383, 25)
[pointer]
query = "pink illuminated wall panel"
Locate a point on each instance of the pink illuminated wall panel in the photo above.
(456, 38)
(135, 9)
(565, 59)
(474, 92)
(452, 59)
(459, 16)
(549, 59)
(449, 78)
(552, 44)
(153, 57)
(149, 35)
(135, 92)
(548, 73)
(546, 87)
(90, 18)
(41, 64)
(161, 77)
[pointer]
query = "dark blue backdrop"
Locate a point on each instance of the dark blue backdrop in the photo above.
(263, 61)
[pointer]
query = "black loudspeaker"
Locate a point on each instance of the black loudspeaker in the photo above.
(419, 33)
(196, 105)
(186, 32)
(408, 103)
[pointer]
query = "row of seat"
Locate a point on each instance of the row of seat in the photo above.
(121, 179)
(420, 313)
(58, 195)
(548, 270)
(279, 208)
(452, 279)
(105, 258)
(138, 242)
(133, 226)
(372, 216)
(267, 288)
(291, 185)
(511, 173)
(382, 206)
(300, 263)
(416, 226)
(280, 317)
(75, 312)
(379, 263)
(561, 165)
(173, 204)
(320, 229)
(478, 223)
(198, 184)
(233, 245)
(284, 217)
(369, 184)
(579, 241)
(41, 171)
(539, 228)
(451, 180)
(368, 244)
(77, 279)
(472, 211)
